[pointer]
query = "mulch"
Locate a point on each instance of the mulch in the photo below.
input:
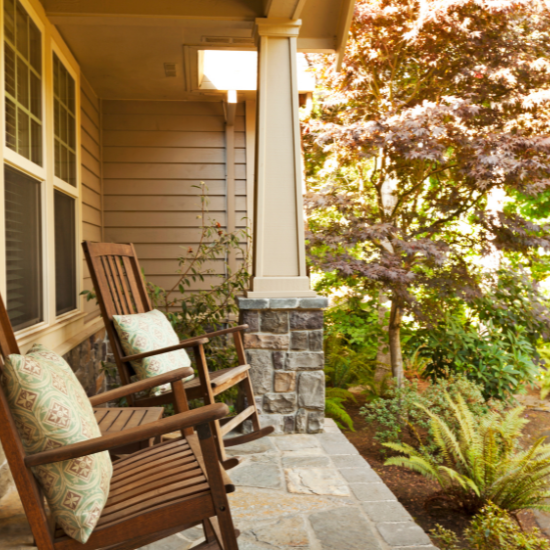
(414, 491)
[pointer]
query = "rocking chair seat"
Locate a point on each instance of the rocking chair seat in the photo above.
(179, 477)
(220, 380)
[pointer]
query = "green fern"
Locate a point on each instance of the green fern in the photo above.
(482, 459)
(345, 366)
(334, 408)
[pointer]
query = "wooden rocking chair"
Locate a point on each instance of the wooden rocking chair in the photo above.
(120, 290)
(155, 492)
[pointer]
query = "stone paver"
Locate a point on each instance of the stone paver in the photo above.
(399, 534)
(344, 529)
(372, 492)
(258, 474)
(293, 492)
(316, 481)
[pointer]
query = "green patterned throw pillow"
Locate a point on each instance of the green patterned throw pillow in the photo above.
(149, 331)
(50, 409)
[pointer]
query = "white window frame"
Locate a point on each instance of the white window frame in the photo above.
(19, 162)
(61, 185)
(45, 174)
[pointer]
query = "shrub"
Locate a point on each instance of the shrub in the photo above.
(492, 339)
(500, 359)
(357, 321)
(492, 529)
(482, 459)
(401, 411)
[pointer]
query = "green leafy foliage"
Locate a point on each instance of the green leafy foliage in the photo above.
(440, 106)
(334, 399)
(482, 460)
(403, 411)
(543, 377)
(492, 529)
(356, 320)
(501, 360)
(346, 366)
(493, 339)
(198, 312)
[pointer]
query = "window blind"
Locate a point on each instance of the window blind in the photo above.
(65, 253)
(23, 248)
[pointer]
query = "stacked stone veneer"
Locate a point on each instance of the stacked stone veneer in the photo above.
(284, 347)
(85, 360)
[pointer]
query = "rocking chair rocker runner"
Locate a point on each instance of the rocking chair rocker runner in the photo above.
(120, 290)
(155, 492)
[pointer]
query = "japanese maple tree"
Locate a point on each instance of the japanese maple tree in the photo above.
(438, 104)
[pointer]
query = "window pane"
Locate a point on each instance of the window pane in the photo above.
(63, 124)
(22, 33)
(36, 47)
(70, 94)
(72, 128)
(62, 84)
(23, 134)
(57, 159)
(9, 74)
(9, 21)
(22, 83)
(36, 142)
(64, 170)
(72, 168)
(65, 253)
(11, 125)
(36, 97)
(56, 75)
(23, 249)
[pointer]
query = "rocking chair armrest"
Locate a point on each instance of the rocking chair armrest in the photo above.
(189, 419)
(230, 330)
(191, 343)
(141, 385)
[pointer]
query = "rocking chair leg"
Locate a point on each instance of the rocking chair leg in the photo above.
(209, 534)
(223, 527)
(246, 385)
(180, 402)
(208, 397)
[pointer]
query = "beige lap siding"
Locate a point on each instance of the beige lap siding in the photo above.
(91, 179)
(155, 154)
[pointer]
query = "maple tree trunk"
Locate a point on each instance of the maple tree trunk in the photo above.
(396, 354)
(383, 357)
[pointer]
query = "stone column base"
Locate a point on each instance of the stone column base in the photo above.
(284, 347)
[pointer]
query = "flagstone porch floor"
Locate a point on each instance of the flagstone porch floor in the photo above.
(301, 492)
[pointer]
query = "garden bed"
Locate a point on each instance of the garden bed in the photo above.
(414, 490)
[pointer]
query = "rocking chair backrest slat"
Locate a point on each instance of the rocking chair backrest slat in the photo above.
(9, 437)
(120, 289)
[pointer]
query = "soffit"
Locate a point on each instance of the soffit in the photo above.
(122, 45)
(202, 9)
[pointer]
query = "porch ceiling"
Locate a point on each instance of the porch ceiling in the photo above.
(122, 45)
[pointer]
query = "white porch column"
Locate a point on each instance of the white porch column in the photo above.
(279, 250)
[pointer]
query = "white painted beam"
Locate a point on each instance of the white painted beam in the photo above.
(346, 16)
(285, 9)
